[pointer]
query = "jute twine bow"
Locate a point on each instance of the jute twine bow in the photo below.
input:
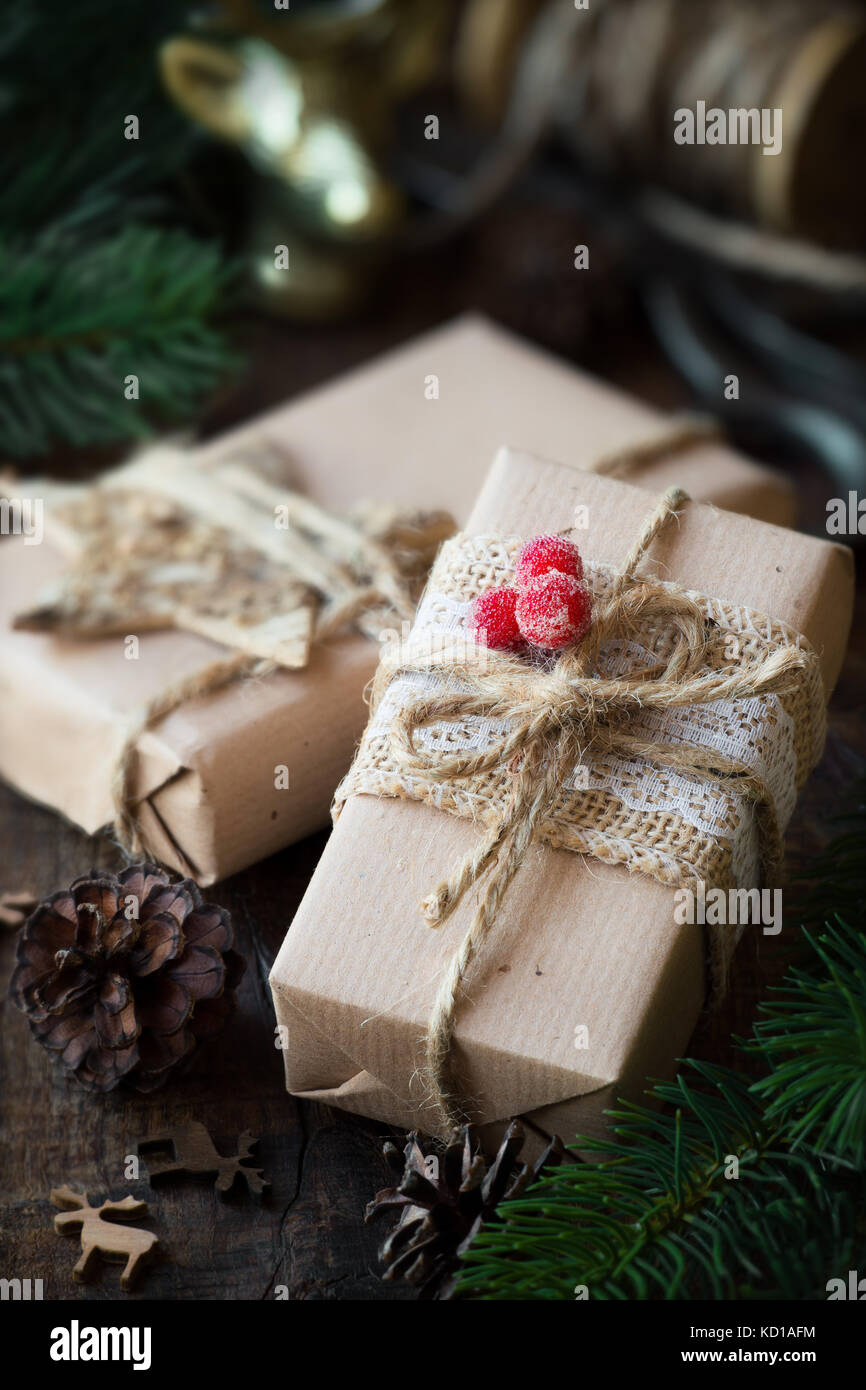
(389, 596)
(556, 720)
(324, 552)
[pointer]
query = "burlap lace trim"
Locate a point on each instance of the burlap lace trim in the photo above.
(672, 741)
(657, 821)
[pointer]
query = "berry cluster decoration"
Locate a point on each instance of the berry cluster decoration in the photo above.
(549, 607)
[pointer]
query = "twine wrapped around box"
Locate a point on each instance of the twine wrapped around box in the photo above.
(672, 741)
(165, 542)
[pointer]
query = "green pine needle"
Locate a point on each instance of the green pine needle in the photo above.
(659, 1214)
(76, 321)
(90, 292)
(813, 1034)
(69, 75)
(736, 1189)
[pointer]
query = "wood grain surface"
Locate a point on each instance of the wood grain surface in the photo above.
(307, 1240)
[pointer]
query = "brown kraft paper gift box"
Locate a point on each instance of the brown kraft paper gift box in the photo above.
(206, 789)
(577, 941)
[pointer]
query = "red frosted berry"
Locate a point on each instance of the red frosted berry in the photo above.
(491, 618)
(545, 553)
(553, 610)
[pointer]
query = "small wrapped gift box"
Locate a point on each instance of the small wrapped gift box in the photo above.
(419, 426)
(588, 980)
(413, 430)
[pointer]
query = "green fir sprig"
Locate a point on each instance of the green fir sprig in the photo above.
(100, 275)
(812, 1033)
(137, 303)
(69, 76)
(737, 1188)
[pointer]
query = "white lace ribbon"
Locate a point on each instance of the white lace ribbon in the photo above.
(757, 732)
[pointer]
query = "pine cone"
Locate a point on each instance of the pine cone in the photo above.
(444, 1203)
(122, 998)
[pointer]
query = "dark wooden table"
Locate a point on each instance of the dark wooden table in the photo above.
(309, 1237)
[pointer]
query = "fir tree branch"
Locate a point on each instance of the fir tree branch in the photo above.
(813, 1033)
(656, 1211)
(69, 75)
(659, 1214)
(76, 321)
(89, 294)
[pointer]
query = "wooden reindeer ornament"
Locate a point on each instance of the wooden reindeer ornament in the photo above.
(101, 1235)
(192, 1150)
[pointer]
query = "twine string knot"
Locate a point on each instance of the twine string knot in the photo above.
(554, 721)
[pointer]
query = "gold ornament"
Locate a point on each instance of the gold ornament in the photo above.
(309, 98)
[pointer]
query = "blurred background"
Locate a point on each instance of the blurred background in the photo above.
(243, 198)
